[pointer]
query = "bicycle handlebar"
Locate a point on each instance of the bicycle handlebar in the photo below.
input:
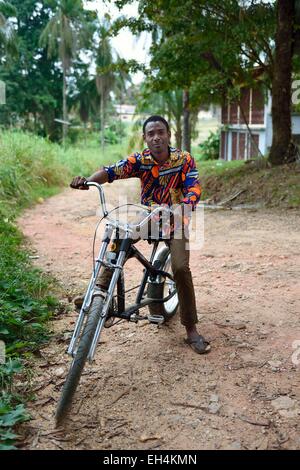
(136, 227)
(101, 195)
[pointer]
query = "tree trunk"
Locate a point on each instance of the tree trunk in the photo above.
(102, 117)
(85, 131)
(65, 110)
(283, 150)
(34, 123)
(178, 134)
(186, 144)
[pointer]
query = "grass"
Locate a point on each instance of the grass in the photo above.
(218, 167)
(86, 159)
(29, 166)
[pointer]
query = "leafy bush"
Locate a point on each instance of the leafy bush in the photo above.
(114, 132)
(12, 411)
(209, 149)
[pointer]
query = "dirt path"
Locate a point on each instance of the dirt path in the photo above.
(147, 389)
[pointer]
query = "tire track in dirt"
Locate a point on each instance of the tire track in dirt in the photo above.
(147, 389)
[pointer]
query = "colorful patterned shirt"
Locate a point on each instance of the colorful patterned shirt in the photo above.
(172, 182)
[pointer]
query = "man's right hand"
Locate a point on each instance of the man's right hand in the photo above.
(78, 183)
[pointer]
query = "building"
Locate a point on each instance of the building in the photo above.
(236, 142)
(125, 112)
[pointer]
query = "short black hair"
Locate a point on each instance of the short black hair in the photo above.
(156, 118)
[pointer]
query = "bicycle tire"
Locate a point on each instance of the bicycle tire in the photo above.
(79, 361)
(158, 290)
(121, 293)
(117, 304)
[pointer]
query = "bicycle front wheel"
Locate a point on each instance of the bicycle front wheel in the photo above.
(79, 360)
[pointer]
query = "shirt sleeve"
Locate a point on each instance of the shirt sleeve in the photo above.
(191, 187)
(122, 169)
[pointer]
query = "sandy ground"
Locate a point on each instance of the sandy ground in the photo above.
(147, 389)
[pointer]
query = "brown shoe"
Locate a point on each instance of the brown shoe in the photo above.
(78, 301)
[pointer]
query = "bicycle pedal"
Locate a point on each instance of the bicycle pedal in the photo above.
(157, 319)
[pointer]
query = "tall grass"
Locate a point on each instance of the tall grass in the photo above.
(28, 164)
(85, 159)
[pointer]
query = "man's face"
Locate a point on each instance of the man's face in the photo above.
(157, 138)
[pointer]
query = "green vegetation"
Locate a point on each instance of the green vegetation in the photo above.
(25, 307)
(11, 413)
(32, 167)
(28, 163)
(210, 148)
(24, 302)
(29, 168)
(50, 38)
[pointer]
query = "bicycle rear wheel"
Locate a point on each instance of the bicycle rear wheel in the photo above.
(79, 360)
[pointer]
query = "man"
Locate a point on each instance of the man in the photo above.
(168, 176)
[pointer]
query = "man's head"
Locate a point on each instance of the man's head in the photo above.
(157, 135)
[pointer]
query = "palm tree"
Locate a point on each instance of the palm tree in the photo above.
(85, 102)
(107, 80)
(63, 36)
(104, 77)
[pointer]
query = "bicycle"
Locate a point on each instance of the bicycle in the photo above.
(157, 291)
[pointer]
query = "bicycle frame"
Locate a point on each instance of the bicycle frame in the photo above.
(126, 248)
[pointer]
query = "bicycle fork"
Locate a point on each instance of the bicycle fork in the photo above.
(92, 291)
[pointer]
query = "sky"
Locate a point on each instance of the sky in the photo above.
(127, 45)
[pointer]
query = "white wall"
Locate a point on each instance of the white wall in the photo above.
(295, 124)
(295, 128)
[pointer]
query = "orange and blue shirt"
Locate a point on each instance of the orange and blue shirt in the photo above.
(172, 182)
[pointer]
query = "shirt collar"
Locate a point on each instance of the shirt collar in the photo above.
(172, 156)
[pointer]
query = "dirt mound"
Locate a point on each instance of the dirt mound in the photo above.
(251, 184)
